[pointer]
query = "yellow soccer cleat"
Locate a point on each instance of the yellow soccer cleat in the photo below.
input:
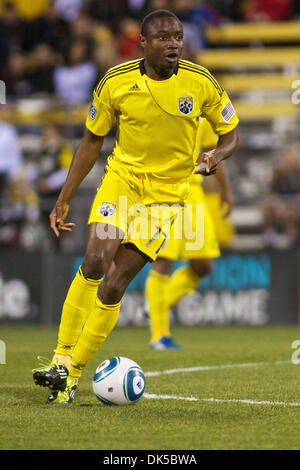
(49, 374)
(64, 397)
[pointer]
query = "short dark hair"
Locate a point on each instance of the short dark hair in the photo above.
(153, 15)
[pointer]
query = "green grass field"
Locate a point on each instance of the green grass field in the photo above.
(270, 383)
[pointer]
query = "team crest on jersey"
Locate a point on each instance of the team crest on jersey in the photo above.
(185, 104)
(107, 209)
(92, 111)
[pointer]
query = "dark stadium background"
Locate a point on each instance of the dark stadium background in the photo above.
(52, 54)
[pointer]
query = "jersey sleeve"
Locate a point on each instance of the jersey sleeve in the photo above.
(218, 109)
(101, 114)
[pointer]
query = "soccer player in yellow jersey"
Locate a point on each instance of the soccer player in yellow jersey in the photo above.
(156, 103)
(163, 289)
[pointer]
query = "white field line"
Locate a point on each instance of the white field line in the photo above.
(219, 400)
(204, 368)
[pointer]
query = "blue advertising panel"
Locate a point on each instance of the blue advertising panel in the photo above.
(244, 287)
(247, 287)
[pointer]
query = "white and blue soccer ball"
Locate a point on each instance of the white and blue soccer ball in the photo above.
(119, 381)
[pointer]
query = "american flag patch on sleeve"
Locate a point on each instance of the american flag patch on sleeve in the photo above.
(227, 112)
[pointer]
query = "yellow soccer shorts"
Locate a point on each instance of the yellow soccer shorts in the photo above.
(195, 236)
(142, 206)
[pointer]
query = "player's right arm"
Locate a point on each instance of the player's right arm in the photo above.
(98, 123)
(83, 161)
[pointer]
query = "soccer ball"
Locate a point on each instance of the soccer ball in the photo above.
(119, 381)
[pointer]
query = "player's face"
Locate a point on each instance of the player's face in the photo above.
(163, 43)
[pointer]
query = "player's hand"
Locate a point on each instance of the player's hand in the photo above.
(57, 218)
(206, 163)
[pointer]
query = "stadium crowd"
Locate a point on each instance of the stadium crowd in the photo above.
(51, 49)
(57, 50)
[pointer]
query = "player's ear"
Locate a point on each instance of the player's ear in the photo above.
(143, 41)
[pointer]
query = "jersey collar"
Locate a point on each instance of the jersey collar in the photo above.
(143, 71)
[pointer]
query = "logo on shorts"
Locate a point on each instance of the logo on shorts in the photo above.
(107, 209)
(185, 104)
(92, 111)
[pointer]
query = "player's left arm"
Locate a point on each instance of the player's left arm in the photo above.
(207, 162)
(219, 111)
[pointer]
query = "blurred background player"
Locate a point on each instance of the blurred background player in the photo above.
(281, 206)
(163, 289)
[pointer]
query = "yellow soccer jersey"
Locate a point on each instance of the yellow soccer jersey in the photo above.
(157, 121)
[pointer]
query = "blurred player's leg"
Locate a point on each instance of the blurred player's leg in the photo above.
(158, 308)
(163, 293)
(185, 279)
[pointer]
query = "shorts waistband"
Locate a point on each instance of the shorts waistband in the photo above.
(142, 176)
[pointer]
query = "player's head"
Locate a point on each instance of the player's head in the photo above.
(162, 39)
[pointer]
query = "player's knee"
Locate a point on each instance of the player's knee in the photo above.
(202, 267)
(95, 265)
